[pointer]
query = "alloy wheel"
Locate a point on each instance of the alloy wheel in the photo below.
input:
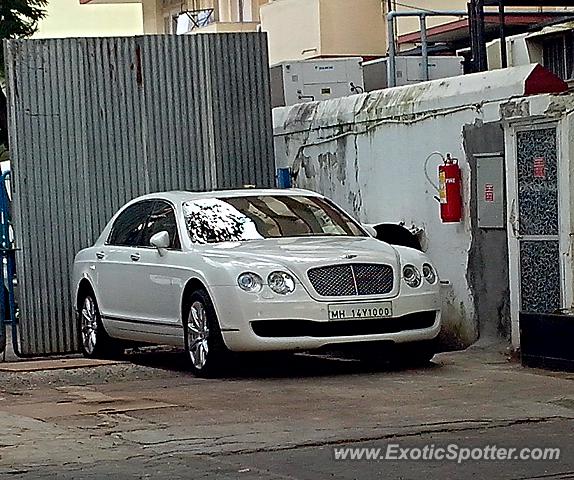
(89, 325)
(197, 335)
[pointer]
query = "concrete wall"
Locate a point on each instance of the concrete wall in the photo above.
(368, 152)
(282, 19)
(152, 17)
(378, 176)
(65, 18)
(300, 29)
(489, 248)
(352, 28)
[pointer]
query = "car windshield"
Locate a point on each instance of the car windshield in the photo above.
(235, 219)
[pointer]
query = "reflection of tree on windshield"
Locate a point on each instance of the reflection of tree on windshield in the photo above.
(234, 219)
(212, 221)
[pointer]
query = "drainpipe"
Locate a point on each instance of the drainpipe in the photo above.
(424, 47)
(503, 49)
(391, 65)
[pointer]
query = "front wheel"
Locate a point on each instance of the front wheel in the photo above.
(203, 340)
(94, 340)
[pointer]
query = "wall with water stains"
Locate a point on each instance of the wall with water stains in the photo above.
(368, 152)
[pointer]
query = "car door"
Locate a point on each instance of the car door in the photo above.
(116, 261)
(160, 278)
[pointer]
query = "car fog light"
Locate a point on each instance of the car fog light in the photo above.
(250, 282)
(412, 276)
(429, 273)
(281, 282)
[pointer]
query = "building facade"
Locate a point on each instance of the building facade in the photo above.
(195, 16)
(305, 29)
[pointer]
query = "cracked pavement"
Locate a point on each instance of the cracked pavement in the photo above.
(280, 418)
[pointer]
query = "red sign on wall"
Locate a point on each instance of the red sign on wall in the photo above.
(540, 168)
(488, 192)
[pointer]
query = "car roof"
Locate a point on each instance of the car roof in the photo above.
(184, 196)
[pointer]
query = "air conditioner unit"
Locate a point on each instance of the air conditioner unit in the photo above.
(314, 80)
(410, 70)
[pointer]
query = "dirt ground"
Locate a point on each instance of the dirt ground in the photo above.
(277, 417)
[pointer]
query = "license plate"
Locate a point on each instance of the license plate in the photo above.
(360, 310)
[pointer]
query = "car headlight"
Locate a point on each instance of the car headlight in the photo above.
(429, 273)
(281, 282)
(250, 282)
(412, 276)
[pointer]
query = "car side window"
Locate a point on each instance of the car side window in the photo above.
(128, 227)
(161, 219)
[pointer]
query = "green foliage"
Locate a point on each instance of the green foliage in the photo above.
(19, 19)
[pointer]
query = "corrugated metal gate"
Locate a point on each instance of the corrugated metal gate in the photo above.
(97, 122)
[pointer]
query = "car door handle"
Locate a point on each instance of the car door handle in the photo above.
(100, 255)
(135, 256)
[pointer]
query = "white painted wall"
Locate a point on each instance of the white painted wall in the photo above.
(378, 175)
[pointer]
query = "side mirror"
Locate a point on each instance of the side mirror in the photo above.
(160, 241)
(370, 230)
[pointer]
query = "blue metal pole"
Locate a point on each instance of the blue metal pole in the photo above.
(7, 254)
(4, 306)
(284, 178)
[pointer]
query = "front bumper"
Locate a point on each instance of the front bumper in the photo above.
(238, 312)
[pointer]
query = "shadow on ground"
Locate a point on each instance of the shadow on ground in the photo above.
(272, 365)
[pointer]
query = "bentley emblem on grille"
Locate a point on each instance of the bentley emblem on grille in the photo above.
(349, 256)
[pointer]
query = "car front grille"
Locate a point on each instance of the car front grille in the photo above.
(354, 279)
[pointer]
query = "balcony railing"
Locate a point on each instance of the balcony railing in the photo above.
(189, 20)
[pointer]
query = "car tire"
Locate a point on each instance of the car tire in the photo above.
(94, 340)
(204, 345)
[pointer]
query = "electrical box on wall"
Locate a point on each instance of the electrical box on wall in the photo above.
(315, 80)
(490, 190)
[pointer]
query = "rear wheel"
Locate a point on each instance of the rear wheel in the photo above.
(94, 340)
(203, 340)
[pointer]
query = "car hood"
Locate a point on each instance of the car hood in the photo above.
(308, 251)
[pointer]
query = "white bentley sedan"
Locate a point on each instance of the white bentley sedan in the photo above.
(249, 270)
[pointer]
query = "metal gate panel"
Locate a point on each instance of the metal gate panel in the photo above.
(96, 122)
(538, 213)
(538, 181)
(540, 276)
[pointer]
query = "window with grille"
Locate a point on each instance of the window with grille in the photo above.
(558, 52)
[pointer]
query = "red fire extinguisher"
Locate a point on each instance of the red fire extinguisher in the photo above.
(450, 186)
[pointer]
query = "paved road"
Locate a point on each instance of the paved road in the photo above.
(281, 419)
